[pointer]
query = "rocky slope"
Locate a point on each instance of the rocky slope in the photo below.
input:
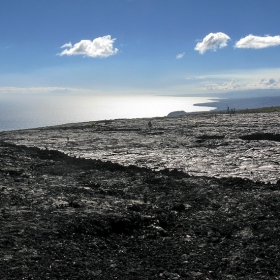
(114, 200)
(200, 145)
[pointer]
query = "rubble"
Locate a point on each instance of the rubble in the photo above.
(113, 200)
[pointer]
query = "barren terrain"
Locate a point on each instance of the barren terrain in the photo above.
(241, 145)
(195, 197)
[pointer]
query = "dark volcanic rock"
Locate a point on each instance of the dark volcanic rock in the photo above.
(140, 215)
(262, 136)
(56, 223)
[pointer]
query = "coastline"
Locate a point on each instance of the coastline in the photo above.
(242, 105)
(16, 122)
(222, 104)
(23, 114)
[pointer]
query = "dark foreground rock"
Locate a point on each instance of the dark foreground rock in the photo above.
(63, 217)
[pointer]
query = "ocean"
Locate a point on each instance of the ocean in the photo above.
(25, 112)
(22, 112)
(243, 103)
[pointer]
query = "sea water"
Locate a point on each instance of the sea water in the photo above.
(39, 111)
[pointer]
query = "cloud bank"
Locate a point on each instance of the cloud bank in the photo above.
(193, 78)
(40, 90)
(212, 41)
(267, 83)
(257, 42)
(100, 47)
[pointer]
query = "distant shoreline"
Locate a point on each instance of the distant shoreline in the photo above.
(242, 103)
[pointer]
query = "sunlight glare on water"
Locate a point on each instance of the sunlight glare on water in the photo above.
(44, 110)
(113, 107)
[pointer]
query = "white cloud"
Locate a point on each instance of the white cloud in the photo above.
(99, 47)
(256, 42)
(212, 41)
(231, 85)
(266, 83)
(67, 45)
(180, 55)
(269, 83)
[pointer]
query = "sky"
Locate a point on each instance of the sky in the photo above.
(155, 47)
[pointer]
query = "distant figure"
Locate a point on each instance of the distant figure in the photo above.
(227, 109)
(150, 125)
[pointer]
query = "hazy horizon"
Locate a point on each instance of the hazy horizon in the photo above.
(138, 48)
(42, 111)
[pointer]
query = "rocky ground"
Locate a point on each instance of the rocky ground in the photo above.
(195, 197)
(241, 145)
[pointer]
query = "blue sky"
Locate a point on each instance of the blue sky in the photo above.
(170, 47)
